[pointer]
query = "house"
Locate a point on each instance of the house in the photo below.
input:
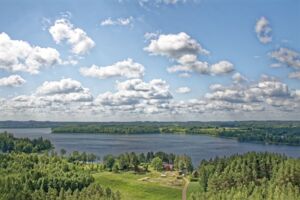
(168, 167)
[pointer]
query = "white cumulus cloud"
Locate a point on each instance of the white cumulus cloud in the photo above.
(238, 78)
(18, 55)
(137, 96)
(12, 81)
(126, 68)
(185, 51)
(64, 90)
(287, 57)
(222, 67)
(64, 30)
(183, 90)
(175, 46)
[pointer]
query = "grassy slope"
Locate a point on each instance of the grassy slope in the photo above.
(132, 188)
(193, 187)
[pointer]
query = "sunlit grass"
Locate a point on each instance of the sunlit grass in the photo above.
(133, 188)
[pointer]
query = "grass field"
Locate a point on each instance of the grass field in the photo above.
(149, 186)
(193, 187)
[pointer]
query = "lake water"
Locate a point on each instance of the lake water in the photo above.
(197, 146)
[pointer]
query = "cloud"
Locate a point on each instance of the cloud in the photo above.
(295, 75)
(263, 30)
(171, 1)
(238, 78)
(273, 88)
(266, 88)
(120, 21)
(137, 96)
(151, 35)
(126, 68)
(162, 2)
(53, 99)
(216, 87)
(175, 46)
(12, 81)
(63, 30)
(18, 55)
(185, 50)
(287, 57)
(183, 90)
(222, 67)
(268, 95)
(65, 90)
(59, 87)
(138, 99)
(184, 75)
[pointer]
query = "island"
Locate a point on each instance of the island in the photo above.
(268, 132)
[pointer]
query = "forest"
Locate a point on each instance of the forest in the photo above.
(252, 176)
(270, 132)
(41, 175)
(9, 143)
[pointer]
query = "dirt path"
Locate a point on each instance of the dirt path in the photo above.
(187, 182)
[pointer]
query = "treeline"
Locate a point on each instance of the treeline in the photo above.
(270, 133)
(111, 129)
(252, 176)
(141, 162)
(208, 124)
(9, 143)
(29, 172)
(39, 177)
(287, 135)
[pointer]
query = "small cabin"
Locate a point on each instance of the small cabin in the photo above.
(168, 167)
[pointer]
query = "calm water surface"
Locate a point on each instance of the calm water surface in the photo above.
(197, 146)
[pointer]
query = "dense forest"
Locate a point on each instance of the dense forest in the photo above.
(251, 176)
(9, 143)
(25, 175)
(270, 132)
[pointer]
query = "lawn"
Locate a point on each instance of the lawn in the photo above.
(132, 186)
(193, 187)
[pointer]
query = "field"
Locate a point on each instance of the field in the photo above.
(193, 187)
(150, 186)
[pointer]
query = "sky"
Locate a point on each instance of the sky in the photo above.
(141, 60)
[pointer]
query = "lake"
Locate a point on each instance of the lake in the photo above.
(197, 146)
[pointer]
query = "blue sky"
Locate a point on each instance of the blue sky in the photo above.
(231, 30)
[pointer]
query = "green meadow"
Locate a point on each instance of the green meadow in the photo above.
(148, 186)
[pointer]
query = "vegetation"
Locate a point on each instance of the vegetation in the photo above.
(9, 143)
(31, 176)
(270, 132)
(250, 176)
(39, 173)
(135, 186)
(157, 164)
(141, 162)
(35, 174)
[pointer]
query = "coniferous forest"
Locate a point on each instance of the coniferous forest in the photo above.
(252, 176)
(41, 175)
